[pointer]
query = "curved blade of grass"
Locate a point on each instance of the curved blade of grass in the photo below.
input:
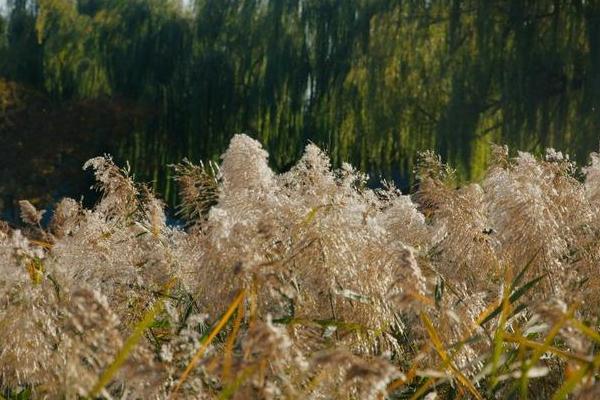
(545, 346)
(574, 380)
(585, 330)
(551, 335)
(521, 273)
(215, 331)
(494, 309)
(229, 390)
(516, 295)
(438, 345)
(571, 383)
(130, 343)
(228, 357)
(498, 339)
(310, 215)
(523, 341)
(423, 389)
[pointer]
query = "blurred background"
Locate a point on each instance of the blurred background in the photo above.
(371, 81)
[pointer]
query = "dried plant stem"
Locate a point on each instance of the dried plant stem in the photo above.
(446, 359)
(523, 341)
(228, 356)
(215, 331)
(131, 342)
(423, 389)
(570, 384)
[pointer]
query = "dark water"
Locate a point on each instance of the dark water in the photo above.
(373, 82)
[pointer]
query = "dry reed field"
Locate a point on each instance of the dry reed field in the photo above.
(309, 285)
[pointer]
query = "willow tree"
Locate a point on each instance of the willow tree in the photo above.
(72, 63)
(21, 59)
(373, 81)
(146, 47)
(3, 45)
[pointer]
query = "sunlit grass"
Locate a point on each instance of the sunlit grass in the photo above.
(309, 285)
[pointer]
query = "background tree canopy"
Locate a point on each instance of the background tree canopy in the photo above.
(373, 81)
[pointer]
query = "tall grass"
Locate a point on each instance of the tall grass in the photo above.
(308, 284)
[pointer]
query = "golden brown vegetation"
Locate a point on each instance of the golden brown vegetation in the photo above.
(308, 284)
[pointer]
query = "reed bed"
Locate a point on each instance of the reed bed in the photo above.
(309, 285)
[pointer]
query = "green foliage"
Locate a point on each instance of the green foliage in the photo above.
(72, 65)
(24, 394)
(21, 59)
(3, 44)
(374, 81)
